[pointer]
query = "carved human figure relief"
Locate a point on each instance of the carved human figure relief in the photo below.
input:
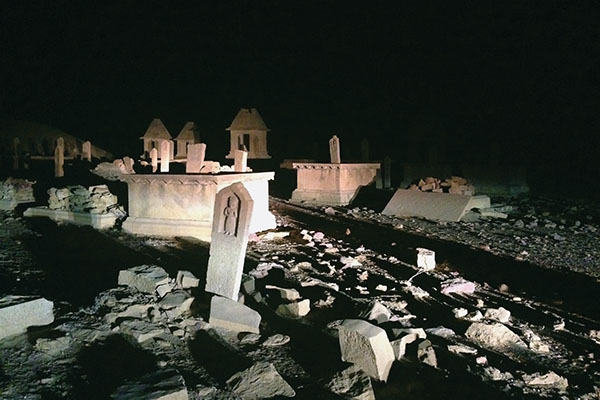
(231, 212)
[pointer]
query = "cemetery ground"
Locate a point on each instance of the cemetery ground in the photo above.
(348, 262)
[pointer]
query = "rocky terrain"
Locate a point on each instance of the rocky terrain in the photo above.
(490, 321)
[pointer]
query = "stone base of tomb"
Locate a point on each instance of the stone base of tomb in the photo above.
(332, 184)
(97, 221)
(10, 205)
(182, 205)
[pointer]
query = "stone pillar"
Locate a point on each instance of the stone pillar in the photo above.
(195, 158)
(229, 238)
(387, 172)
(165, 155)
(364, 150)
(86, 151)
(59, 161)
(60, 142)
(154, 159)
(334, 150)
(240, 160)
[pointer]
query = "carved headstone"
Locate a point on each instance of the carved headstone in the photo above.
(128, 163)
(240, 160)
(165, 155)
(59, 161)
(387, 172)
(364, 150)
(195, 158)
(154, 159)
(231, 223)
(334, 150)
(86, 150)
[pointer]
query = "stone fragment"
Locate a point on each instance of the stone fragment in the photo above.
(229, 238)
(250, 338)
(495, 337)
(186, 280)
(165, 288)
(295, 310)
(551, 380)
(276, 340)
(165, 384)
(441, 331)
(284, 293)
(240, 159)
(495, 374)
(144, 278)
(457, 285)
(261, 381)
(460, 312)
(366, 346)
(230, 314)
(352, 383)
(17, 313)
(461, 349)
(248, 285)
(405, 337)
(498, 314)
(377, 312)
(426, 353)
(425, 259)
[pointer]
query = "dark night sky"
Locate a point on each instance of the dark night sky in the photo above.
(519, 78)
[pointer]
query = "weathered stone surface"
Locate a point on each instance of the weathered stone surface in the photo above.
(297, 309)
(195, 158)
(495, 337)
(229, 238)
(551, 380)
(426, 353)
(240, 159)
(377, 312)
(261, 381)
(186, 280)
(230, 314)
(366, 346)
(433, 206)
(144, 278)
(276, 340)
(17, 313)
(285, 293)
(457, 285)
(352, 383)
(165, 155)
(405, 337)
(164, 384)
(499, 314)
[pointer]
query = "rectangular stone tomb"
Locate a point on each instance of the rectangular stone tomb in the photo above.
(433, 206)
(332, 184)
(97, 221)
(183, 205)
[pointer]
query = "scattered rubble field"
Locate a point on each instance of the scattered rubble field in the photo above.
(508, 312)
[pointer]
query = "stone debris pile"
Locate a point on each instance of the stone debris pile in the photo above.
(13, 189)
(454, 184)
(94, 200)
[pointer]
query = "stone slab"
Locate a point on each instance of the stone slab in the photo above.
(433, 206)
(144, 278)
(97, 221)
(229, 314)
(17, 313)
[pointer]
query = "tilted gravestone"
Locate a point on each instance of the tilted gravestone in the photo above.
(195, 158)
(231, 222)
(154, 159)
(334, 150)
(86, 151)
(165, 155)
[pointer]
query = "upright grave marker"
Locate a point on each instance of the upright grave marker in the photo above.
(231, 223)
(334, 150)
(195, 158)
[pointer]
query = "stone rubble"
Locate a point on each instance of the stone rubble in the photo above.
(260, 381)
(94, 200)
(17, 313)
(15, 189)
(145, 278)
(454, 184)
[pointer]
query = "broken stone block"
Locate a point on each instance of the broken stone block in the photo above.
(17, 313)
(186, 280)
(297, 309)
(165, 288)
(495, 337)
(286, 294)
(229, 314)
(144, 278)
(166, 384)
(260, 381)
(457, 285)
(176, 303)
(248, 285)
(366, 346)
(499, 314)
(276, 340)
(426, 353)
(551, 380)
(425, 259)
(405, 337)
(377, 312)
(352, 383)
